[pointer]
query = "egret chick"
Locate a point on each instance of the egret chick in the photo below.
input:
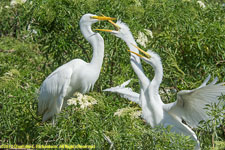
(189, 105)
(123, 32)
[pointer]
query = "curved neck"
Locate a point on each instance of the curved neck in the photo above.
(156, 81)
(97, 44)
(152, 104)
(86, 30)
(136, 63)
(129, 41)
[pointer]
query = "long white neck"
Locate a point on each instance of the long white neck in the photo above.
(129, 41)
(97, 44)
(152, 104)
(86, 30)
(156, 81)
(136, 62)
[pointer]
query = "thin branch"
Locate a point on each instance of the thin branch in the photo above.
(220, 62)
(109, 141)
(7, 51)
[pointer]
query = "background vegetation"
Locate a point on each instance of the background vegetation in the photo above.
(38, 36)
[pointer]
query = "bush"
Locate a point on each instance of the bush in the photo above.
(38, 36)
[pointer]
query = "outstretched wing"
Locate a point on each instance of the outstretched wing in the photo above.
(125, 92)
(206, 81)
(190, 104)
(125, 83)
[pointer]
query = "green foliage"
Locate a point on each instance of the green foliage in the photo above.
(214, 126)
(190, 40)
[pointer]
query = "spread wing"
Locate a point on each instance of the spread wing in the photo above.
(125, 92)
(190, 104)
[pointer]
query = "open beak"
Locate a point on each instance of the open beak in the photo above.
(103, 18)
(145, 53)
(117, 28)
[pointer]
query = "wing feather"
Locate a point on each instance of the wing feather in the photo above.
(190, 104)
(51, 88)
(125, 92)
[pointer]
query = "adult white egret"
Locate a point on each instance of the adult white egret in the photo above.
(122, 31)
(189, 105)
(74, 76)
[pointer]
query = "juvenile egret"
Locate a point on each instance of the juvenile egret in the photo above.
(188, 107)
(125, 92)
(122, 31)
(74, 76)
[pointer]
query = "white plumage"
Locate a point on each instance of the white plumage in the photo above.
(125, 34)
(190, 103)
(125, 92)
(189, 106)
(74, 76)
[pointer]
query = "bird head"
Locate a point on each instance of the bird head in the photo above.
(91, 18)
(149, 57)
(121, 30)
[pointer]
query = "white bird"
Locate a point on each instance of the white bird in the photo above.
(122, 31)
(189, 105)
(74, 76)
(125, 92)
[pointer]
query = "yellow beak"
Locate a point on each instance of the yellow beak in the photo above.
(103, 18)
(115, 25)
(145, 53)
(135, 53)
(107, 30)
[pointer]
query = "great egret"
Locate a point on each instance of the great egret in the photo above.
(74, 76)
(189, 105)
(122, 31)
